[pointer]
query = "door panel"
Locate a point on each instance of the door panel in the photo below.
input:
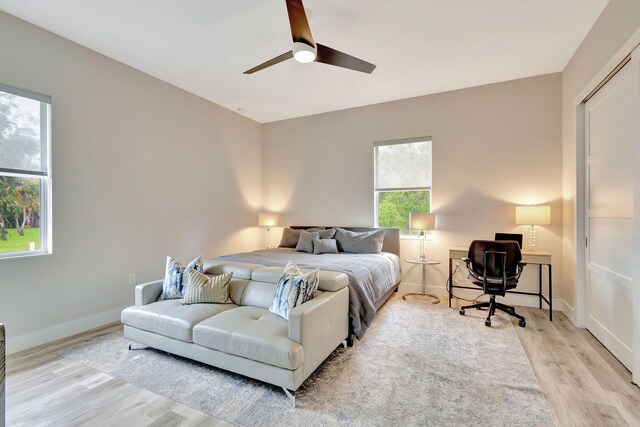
(609, 132)
(610, 194)
(611, 242)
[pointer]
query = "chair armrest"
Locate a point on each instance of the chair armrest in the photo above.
(327, 314)
(146, 293)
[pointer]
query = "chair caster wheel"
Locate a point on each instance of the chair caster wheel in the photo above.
(487, 323)
(461, 312)
(522, 323)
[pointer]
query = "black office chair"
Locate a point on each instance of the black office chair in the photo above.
(495, 267)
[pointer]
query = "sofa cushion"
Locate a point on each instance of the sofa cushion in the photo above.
(329, 280)
(253, 333)
(240, 270)
(170, 318)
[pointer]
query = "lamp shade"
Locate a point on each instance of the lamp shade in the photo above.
(422, 221)
(267, 219)
(533, 215)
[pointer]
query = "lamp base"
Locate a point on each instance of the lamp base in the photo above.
(533, 238)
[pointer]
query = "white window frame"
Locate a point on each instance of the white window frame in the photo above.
(377, 191)
(46, 217)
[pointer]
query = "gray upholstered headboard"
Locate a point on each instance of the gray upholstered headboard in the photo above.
(390, 244)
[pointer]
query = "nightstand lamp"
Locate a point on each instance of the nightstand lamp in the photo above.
(533, 215)
(268, 220)
(422, 221)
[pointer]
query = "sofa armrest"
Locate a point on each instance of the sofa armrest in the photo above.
(146, 293)
(326, 314)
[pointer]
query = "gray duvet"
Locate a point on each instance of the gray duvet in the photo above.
(371, 276)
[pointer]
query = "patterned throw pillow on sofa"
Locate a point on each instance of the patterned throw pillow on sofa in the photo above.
(174, 280)
(294, 288)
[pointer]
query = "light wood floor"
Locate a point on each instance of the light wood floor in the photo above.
(583, 383)
(45, 389)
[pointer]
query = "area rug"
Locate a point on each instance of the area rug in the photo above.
(418, 364)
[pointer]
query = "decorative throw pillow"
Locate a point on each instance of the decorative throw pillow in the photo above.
(294, 288)
(368, 242)
(200, 288)
(289, 238)
(173, 284)
(325, 246)
(305, 243)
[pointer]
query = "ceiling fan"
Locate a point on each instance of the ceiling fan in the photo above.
(306, 50)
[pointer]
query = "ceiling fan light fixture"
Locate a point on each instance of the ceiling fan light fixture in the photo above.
(303, 53)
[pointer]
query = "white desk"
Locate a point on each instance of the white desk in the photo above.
(539, 258)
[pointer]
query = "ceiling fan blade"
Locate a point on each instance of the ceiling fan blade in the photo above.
(330, 56)
(269, 63)
(300, 30)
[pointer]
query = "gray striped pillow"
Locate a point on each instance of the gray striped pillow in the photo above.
(201, 288)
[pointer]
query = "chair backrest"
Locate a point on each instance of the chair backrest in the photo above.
(493, 268)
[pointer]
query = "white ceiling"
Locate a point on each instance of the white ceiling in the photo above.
(419, 46)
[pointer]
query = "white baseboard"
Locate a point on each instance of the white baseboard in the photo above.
(61, 330)
(514, 299)
(569, 311)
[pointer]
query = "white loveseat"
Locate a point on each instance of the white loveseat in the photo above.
(245, 337)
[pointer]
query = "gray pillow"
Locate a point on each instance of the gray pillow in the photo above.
(290, 238)
(328, 234)
(305, 243)
(325, 246)
(368, 242)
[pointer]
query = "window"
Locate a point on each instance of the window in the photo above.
(25, 172)
(402, 181)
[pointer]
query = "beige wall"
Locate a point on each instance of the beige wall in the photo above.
(141, 169)
(494, 146)
(618, 22)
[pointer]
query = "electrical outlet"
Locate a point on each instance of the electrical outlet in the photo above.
(132, 278)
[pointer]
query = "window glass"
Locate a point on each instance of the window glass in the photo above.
(402, 181)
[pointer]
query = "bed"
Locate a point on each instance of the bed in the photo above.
(372, 277)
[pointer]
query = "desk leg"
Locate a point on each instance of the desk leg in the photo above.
(450, 280)
(540, 286)
(550, 295)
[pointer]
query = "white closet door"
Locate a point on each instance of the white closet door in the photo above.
(609, 218)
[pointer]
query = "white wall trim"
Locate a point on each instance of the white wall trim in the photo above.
(61, 330)
(569, 311)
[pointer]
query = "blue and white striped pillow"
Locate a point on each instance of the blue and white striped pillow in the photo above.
(294, 288)
(174, 277)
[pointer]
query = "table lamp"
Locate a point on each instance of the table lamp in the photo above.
(268, 220)
(422, 221)
(533, 215)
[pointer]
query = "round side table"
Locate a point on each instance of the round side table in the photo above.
(423, 263)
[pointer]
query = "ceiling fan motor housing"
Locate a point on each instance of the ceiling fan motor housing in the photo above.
(302, 52)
